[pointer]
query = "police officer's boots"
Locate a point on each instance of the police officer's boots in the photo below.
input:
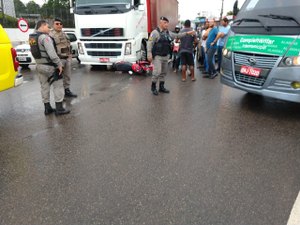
(162, 87)
(153, 88)
(60, 110)
(48, 109)
(69, 93)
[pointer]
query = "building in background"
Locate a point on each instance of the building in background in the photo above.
(9, 7)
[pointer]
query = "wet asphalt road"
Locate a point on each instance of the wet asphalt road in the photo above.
(203, 154)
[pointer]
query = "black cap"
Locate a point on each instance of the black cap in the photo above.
(164, 18)
(57, 19)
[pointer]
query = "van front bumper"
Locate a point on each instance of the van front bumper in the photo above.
(277, 84)
(18, 80)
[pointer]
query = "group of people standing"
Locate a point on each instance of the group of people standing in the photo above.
(53, 55)
(158, 52)
(213, 40)
(159, 48)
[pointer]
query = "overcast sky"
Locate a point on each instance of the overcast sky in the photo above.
(188, 9)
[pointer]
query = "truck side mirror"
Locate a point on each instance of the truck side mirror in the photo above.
(136, 3)
(72, 3)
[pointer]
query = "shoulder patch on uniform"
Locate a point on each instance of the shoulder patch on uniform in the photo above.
(152, 36)
(47, 39)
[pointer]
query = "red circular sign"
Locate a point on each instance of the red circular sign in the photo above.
(23, 25)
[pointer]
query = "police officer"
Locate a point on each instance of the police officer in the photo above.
(158, 50)
(46, 65)
(64, 52)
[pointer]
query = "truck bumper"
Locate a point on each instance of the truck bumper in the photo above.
(97, 61)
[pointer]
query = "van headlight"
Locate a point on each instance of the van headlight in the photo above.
(128, 49)
(227, 53)
(290, 61)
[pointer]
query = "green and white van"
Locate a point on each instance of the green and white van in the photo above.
(262, 52)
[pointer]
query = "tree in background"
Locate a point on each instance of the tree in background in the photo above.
(58, 8)
(48, 11)
(32, 8)
(19, 7)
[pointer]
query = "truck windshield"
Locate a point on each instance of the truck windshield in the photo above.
(87, 7)
(268, 17)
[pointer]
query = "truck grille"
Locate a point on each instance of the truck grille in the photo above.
(262, 61)
(102, 32)
(95, 53)
(103, 45)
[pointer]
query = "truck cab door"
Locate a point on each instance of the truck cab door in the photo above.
(140, 14)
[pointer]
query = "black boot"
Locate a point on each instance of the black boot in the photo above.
(48, 109)
(153, 88)
(162, 87)
(68, 93)
(60, 110)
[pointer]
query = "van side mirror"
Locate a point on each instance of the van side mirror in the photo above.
(235, 8)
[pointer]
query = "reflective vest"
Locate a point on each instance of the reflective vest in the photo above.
(163, 46)
(62, 43)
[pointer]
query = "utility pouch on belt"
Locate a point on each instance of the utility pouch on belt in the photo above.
(55, 76)
(65, 50)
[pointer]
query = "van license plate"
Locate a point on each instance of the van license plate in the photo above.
(250, 71)
(104, 60)
(22, 59)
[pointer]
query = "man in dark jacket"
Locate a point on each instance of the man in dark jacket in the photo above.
(187, 50)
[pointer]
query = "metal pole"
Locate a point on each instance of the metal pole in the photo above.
(3, 15)
(221, 13)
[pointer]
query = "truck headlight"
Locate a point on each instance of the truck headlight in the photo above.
(80, 48)
(226, 53)
(128, 49)
(290, 61)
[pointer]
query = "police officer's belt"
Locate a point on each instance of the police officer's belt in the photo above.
(49, 64)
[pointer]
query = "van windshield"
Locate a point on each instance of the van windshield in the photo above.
(88, 7)
(268, 17)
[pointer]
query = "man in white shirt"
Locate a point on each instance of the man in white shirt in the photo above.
(221, 37)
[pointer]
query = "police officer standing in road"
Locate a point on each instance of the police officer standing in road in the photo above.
(158, 51)
(64, 52)
(49, 68)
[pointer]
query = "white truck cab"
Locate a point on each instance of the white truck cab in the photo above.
(111, 31)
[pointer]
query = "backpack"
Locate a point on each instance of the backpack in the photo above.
(34, 45)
